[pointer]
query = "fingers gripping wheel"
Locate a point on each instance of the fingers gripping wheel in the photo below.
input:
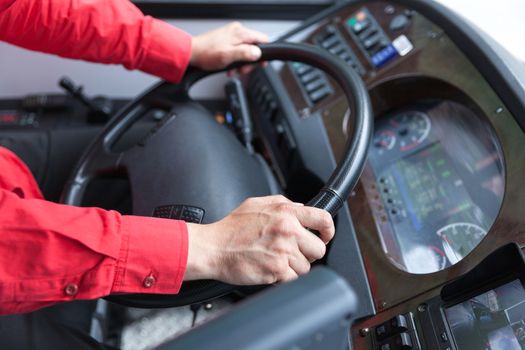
(99, 158)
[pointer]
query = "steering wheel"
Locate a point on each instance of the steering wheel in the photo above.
(162, 164)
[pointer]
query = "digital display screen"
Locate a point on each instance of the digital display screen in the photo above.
(429, 185)
(494, 320)
(425, 193)
(437, 187)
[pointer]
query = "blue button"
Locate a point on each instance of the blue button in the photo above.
(384, 56)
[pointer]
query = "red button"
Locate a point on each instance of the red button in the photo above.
(71, 289)
(148, 281)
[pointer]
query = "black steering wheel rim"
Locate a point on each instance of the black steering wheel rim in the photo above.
(331, 197)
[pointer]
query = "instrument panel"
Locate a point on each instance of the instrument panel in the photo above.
(433, 204)
(442, 186)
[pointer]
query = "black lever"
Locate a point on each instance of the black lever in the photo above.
(100, 108)
(239, 108)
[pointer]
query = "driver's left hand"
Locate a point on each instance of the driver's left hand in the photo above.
(221, 47)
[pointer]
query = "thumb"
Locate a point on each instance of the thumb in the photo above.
(245, 52)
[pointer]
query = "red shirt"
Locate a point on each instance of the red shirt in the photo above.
(51, 252)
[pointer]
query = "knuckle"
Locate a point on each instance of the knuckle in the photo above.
(284, 208)
(281, 248)
(278, 269)
(280, 197)
(283, 227)
(235, 24)
(251, 200)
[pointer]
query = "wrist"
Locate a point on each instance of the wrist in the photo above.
(202, 253)
(195, 51)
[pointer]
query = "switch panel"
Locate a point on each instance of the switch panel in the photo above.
(373, 41)
(332, 41)
(313, 81)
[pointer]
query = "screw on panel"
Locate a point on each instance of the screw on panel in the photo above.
(208, 306)
(364, 332)
(499, 110)
(304, 113)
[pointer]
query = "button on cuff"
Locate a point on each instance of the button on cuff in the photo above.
(149, 281)
(71, 289)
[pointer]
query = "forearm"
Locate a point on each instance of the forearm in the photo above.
(98, 31)
(51, 253)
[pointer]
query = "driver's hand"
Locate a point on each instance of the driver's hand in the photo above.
(220, 47)
(263, 241)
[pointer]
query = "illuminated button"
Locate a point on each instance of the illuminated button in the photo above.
(384, 56)
(358, 27)
(361, 16)
(402, 45)
(71, 289)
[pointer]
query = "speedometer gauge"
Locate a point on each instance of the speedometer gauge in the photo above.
(386, 139)
(412, 129)
(459, 239)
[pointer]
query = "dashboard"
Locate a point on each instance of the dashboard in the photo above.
(442, 186)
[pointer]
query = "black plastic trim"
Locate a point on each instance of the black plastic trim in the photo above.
(233, 9)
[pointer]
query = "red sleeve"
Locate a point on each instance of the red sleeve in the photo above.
(51, 252)
(99, 31)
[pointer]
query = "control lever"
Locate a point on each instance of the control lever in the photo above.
(239, 110)
(100, 108)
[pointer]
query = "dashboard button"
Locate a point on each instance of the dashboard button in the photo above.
(358, 27)
(399, 22)
(303, 69)
(318, 95)
(314, 85)
(393, 326)
(372, 41)
(401, 341)
(308, 77)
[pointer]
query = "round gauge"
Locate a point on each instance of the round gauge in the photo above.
(385, 139)
(412, 129)
(459, 239)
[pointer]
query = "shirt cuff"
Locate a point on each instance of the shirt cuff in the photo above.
(168, 53)
(153, 256)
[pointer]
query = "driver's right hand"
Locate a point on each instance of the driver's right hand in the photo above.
(265, 240)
